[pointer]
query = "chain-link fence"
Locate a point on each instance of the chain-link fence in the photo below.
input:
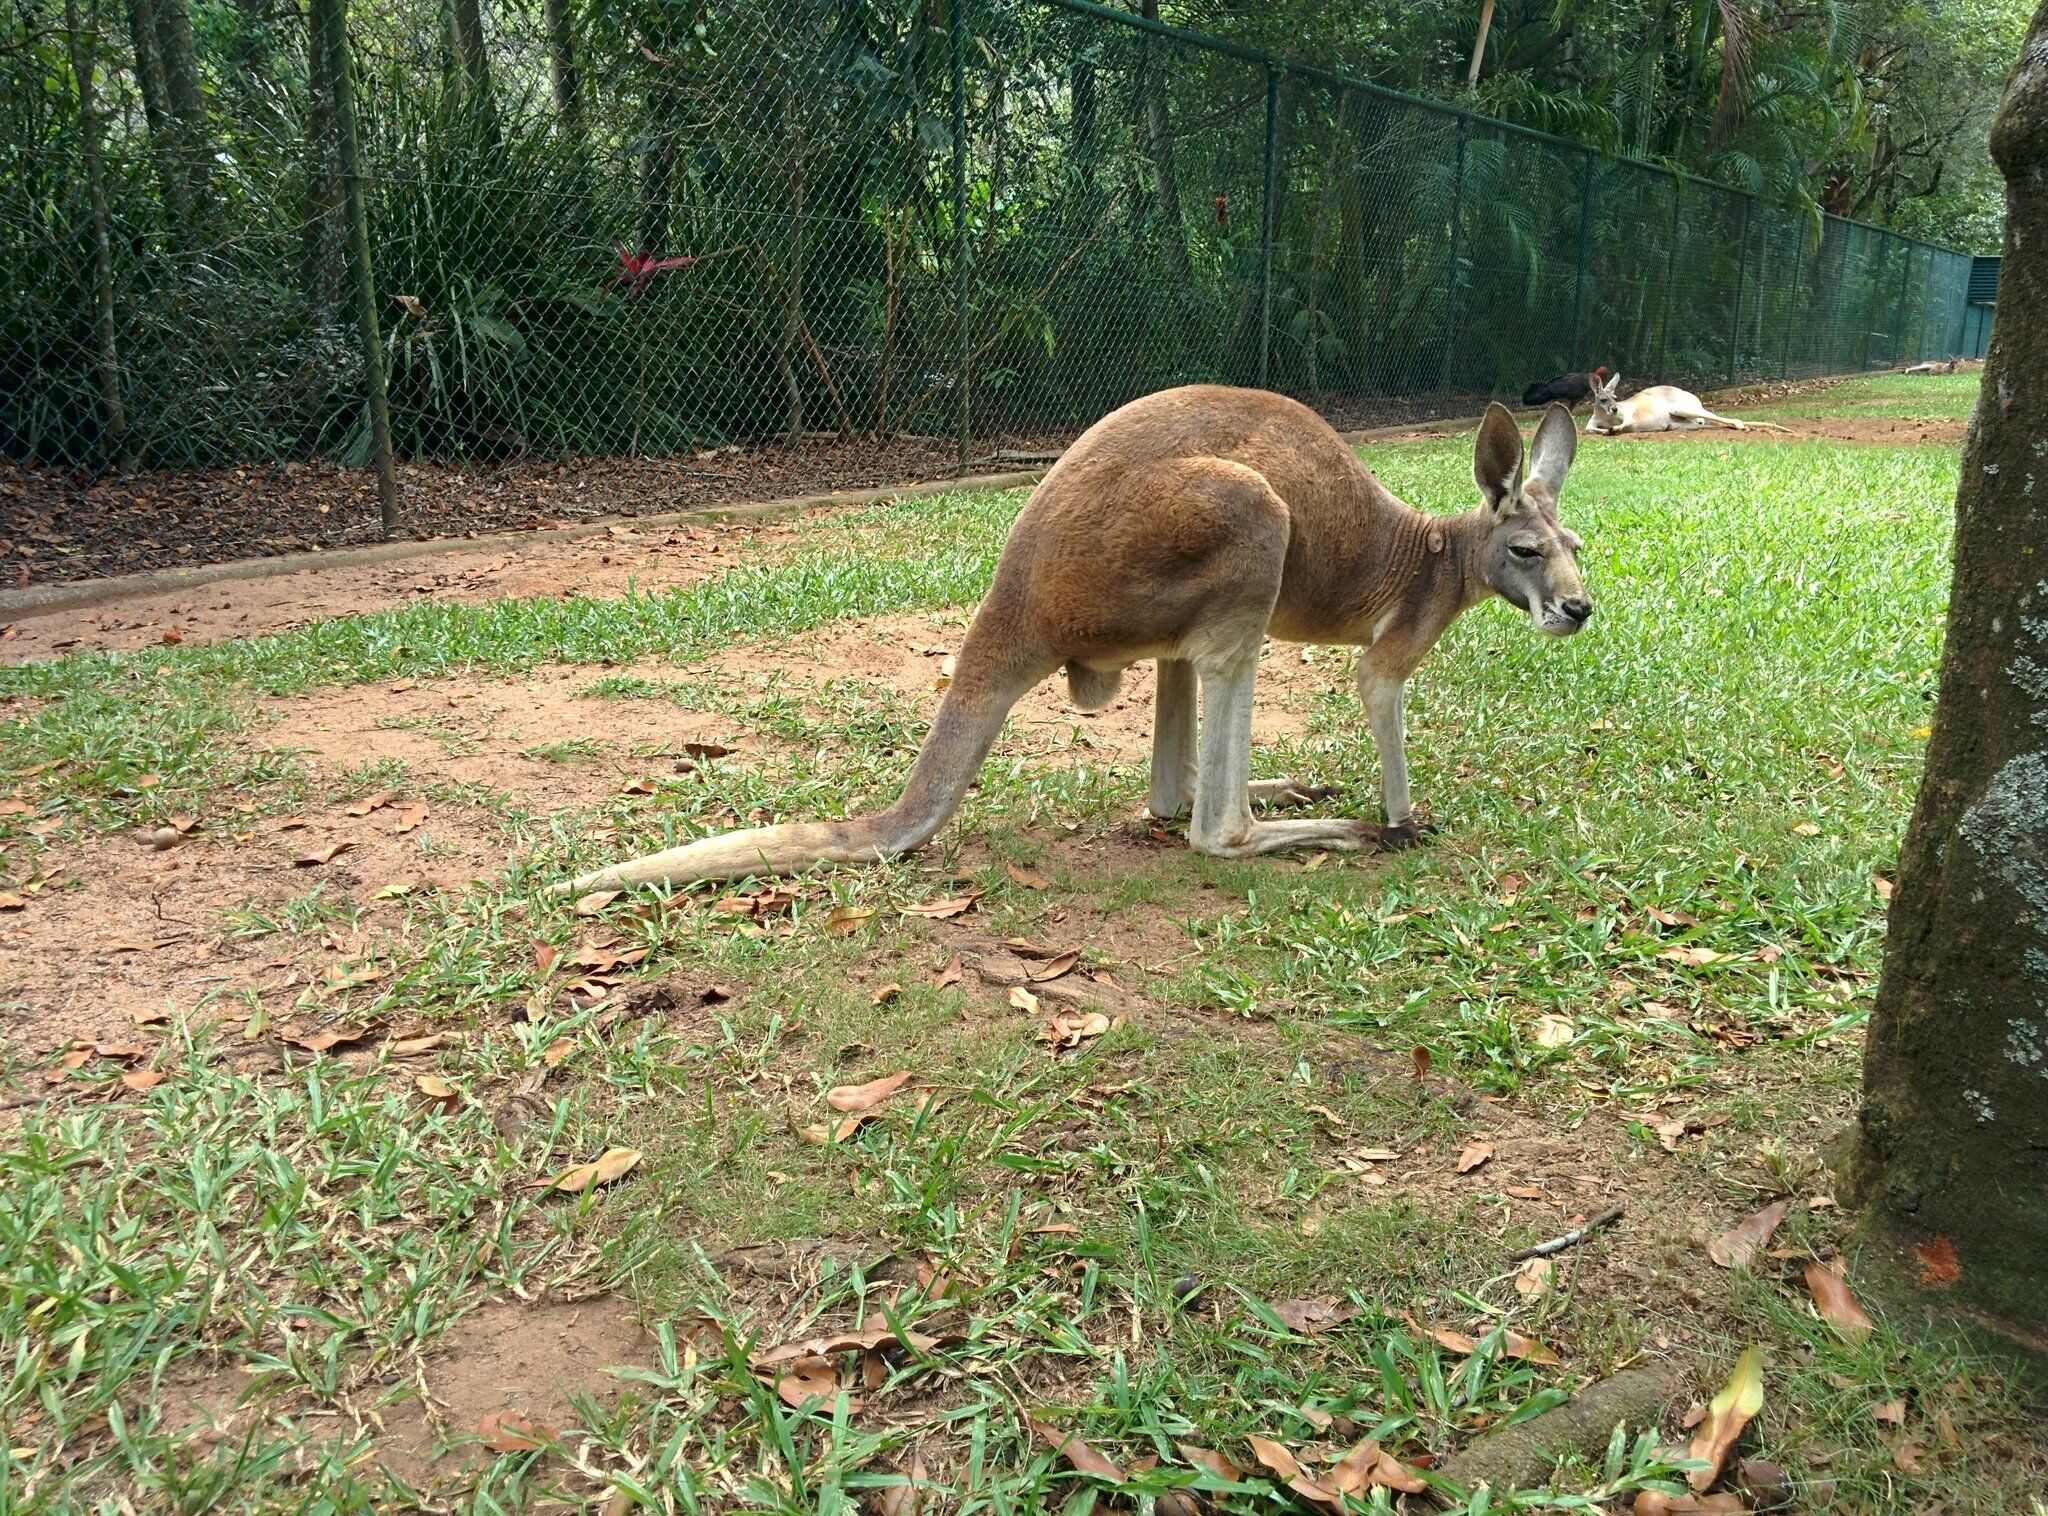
(765, 247)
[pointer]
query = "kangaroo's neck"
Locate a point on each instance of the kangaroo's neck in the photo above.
(1353, 573)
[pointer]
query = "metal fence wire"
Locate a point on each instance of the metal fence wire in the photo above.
(638, 230)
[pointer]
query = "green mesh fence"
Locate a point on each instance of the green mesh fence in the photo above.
(874, 238)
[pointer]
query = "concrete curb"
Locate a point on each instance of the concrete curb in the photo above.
(46, 600)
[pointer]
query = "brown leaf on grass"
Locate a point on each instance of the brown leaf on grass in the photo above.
(150, 1017)
(943, 910)
(1069, 1029)
(844, 920)
(1282, 1463)
(642, 786)
(127, 1052)
(1525, 1191)
(1533, 1279)
(1476, 1155)
(1835, 1301)
(1210, 1459)
(1882, 885)
(406, 1047)
(1735, 1249)
(557, 1052)
(1727, 1414)
(704, 750)
(1023, 1000)
(1455, 1342)
(1052, 968)
(1939, 1265)
(886, 993)
(950, 974)
(1369, 1466)
(1906, 1456)
(1313, 1315)
(513, 1432)
(1526, 1349)
(595, 901)
(370, 803)
(333, 1037)
(611, 1164)
(1085, 1459)
(832, 1344)
(10, 901)
(409, 818)
(139, 1080)
(434, 1087)
(320, 855)
(1651, 1503)
(1693, 957)
(1891, 1412)
(905, 1499)
(825, 1134)
(809, 1379)
(854, 1098)
(1420, 1057)
(1029, 878)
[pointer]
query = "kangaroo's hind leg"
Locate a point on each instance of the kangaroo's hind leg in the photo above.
(1172, 794)
(1223, 823)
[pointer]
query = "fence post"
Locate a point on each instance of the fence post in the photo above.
(1585, 236)
(1791, 303)
(84, 61)
(1670, 277)
(1443, 383)
(1266, 234)
(331, 20)
(962, 358)
(1741, 278)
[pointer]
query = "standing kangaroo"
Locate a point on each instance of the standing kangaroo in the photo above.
(1660, 408)
(1187, 527)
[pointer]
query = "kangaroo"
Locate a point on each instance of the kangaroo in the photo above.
(1661, 408)
(1186, 527)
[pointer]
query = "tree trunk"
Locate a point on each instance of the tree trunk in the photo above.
(1081, 87)
(322, 229)
(472, 49)
(114, 413)
(1954, 1130)
(1173, 236)
(186, 100)
(156, 110)
(562, 71)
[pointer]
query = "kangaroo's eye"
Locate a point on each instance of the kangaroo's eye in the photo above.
(1523, 552)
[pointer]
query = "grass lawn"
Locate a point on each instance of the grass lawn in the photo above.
(277, 1229)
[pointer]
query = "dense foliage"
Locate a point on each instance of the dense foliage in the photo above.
(602, 226)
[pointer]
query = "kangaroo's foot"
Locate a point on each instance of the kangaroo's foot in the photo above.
(1285, 794)
(1405, 834)
(1279, 836)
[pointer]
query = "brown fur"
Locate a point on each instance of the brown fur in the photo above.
(1186, 527)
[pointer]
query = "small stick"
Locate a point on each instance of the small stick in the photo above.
(1572, 1239)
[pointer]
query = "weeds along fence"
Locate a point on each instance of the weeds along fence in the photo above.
(244, 235)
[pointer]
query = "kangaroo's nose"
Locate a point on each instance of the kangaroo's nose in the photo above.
(1578, 607)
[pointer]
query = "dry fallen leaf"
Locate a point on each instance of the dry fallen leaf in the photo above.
(595, 901)
(1534, 1278)
(1475, 1156)
(370, 803)
(950, 974)
(406, 1047)
(434, 1087)
(1029, 878)
(409, 817)
(885, 994)
(1805, 829)
(1725, 1503)
(641, 786)
(941, 910)
(143, 1079)
(1023, 1000)
(1735, 1249)
(1053, 968)
(1834, 1300)
(511, 1432)
(320, 855)
(1282, 1463)
(1313, 1315)
(332, 1037)
(1210, 1459)
(1069, 1029)
(1882, 885)
(613, 1163)
(1554, 1031)
(1939, 1265)
(1084, 1458)
(824, 1135)
(10, 901)
(1890, 1412)
(854, 1098)
(1727, 1414)
(844, 920)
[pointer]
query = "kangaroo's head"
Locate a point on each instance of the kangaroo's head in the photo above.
(1529, 558)
(1606, 409)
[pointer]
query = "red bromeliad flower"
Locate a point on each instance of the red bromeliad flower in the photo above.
(641, 267)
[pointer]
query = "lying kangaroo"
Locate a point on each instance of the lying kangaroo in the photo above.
(1186, 527)
(1660, 408)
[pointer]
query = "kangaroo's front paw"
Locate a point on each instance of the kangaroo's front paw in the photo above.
(1287, 794)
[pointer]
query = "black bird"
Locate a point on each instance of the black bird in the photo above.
(1570, 388)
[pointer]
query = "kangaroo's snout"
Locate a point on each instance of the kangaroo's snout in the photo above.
(1578, 607)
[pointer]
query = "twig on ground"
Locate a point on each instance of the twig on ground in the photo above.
(1570, 1239)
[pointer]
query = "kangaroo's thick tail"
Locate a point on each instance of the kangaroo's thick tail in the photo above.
(968, 720)
(1744, 426)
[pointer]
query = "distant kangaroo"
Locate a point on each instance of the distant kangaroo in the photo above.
(1187, 527)
(1661, 408)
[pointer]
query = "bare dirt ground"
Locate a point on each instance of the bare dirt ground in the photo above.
(148, 933)
(544, 564)
(1904, 431)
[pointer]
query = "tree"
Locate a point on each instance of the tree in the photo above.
(1954, 1129)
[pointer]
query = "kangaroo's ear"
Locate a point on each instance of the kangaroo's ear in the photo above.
(1497, 458)
(1611, 385)
(1557, 441)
